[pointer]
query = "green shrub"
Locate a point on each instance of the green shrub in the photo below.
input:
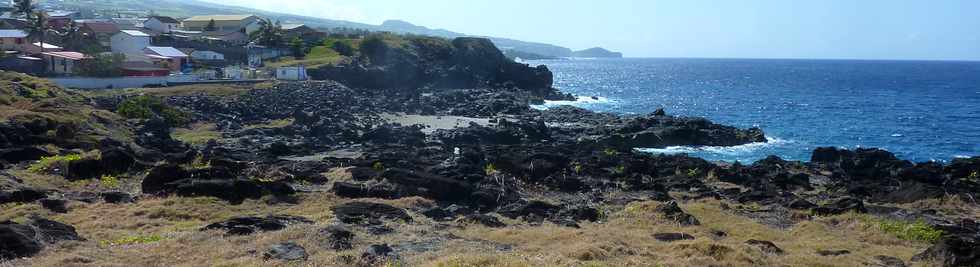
(491, 169)
(146, 107)
(47, 164)
(378, 166)
(693, 172)
(610, 152)
(109, 181)
(912, 231)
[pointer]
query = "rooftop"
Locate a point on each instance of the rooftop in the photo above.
(68, 55)
(135, 33)
(166, 51)
(292, 26)
(101, 27)
(219, 18)
(165, 19)
(13, 34)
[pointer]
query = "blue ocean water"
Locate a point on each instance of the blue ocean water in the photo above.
(920, 110)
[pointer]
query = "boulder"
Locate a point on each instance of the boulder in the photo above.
(482, 219)
(376, 254)
(840, 207)
(17, 241)
(288, 251)
(673, 212)
(833, 253)
(117, 197)
(251, 225)
(369, 213)
(886, 261)
(671, 237)
(765, 246)
(337, 237)
(351, 190)
(55, 205)
(957, 250)
(23, 195)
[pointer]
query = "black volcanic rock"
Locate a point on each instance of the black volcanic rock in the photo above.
(369, 213)
(251, 225)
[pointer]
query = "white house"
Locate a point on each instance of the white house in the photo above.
(169, 56)
(129, 42)
(207, 55)
(162, 24)
(296, 73)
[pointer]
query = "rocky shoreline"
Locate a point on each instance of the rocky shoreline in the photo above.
(564, 166)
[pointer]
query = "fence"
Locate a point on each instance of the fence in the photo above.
(122, 82)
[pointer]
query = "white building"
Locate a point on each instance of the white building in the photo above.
(129, 42)
(162, 24)
(296, 73)
(207, 55)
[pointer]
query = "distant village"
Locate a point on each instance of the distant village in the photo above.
(48, 42)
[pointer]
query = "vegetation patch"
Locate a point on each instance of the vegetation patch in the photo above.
(132, 240)
(147, 107)
(197, 134)
(49, 164)
(911, 231)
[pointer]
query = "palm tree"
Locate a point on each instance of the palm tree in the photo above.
(37, 27)
(23, 7)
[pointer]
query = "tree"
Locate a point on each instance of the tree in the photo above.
(212, 26)
(269, 34)
(343, 48)
(374, 48)
(37, 27)
(23, 7)
(102, 65)
(71, 36)
(298, 47)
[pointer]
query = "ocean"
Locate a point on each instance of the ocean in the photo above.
(919, 110)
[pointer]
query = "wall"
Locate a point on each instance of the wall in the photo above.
(121, 82)
(123, 43)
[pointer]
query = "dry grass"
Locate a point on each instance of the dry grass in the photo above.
(197, 133)
(163, 232)
(270, 124)
(229, 89)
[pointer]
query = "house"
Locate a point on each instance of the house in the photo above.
(13, 23)
(22, 64)
(128, 23)
(168, 57)
(162, 24)
(292, 31)
(295, 73)
(207, 56)
(62, 62)
(234, 38)
(222, 23)
(100, 31)
(37, 48)
(12, 40)
(58, 19)
(129, 42)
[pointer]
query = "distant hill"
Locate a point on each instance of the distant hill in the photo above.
(597, 52)
(187, 8)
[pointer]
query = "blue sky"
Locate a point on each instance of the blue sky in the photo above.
(852, 29)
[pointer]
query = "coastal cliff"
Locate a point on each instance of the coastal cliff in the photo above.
(597, 52)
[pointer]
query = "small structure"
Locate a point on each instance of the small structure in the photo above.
(168, 57)
(22, 64)
(130, 42)
(207, 56)
(128, 23)
(101, 31)
(307, 34)
(295, 73)
(162, 24)
(12, 39)
(222, 23)
(59, 18)
(63, 63)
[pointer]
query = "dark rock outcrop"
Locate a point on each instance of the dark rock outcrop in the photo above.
(288, 251)
(671, 237)
(369, 213)
(765, 246)
(26, 240)
(251, 225)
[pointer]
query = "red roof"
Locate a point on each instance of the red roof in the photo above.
(68, 55)
(101, 27)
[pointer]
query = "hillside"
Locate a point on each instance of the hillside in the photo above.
(186, 8)
(597, 52)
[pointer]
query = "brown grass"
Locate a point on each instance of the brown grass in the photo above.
(197, 133)
(165, 234)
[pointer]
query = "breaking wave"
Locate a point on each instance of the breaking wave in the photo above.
(747, 152)
(580, 101)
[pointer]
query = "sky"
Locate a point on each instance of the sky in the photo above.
(823, 29)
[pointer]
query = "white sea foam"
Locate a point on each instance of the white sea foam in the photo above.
(578, 102)
(732, 151)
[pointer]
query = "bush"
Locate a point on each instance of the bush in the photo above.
(109, 181)
(342, 47)
(102, 66)
(147, 107)
(374, 48)
(47, 164)
(917, 231)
